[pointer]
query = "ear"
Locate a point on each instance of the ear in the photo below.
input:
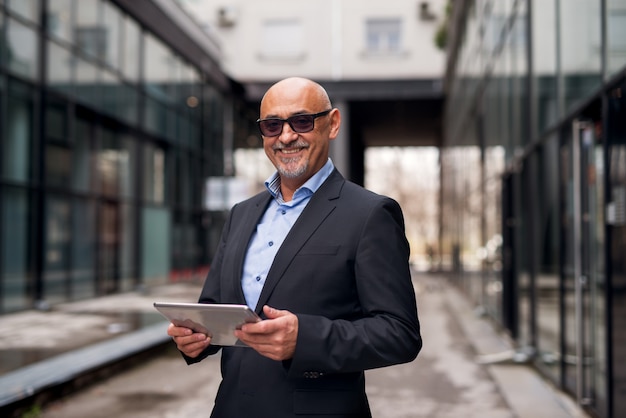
(335, 122)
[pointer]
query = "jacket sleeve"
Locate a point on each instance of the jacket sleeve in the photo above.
(387, 330)
(211, 289)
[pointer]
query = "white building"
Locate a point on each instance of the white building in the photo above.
(378, 61)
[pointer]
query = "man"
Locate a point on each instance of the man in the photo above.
(325, 264)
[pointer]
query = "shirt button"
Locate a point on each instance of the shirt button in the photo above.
(283, 211)
(258, 278)
(270, 243)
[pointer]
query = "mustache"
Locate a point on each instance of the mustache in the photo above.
(297, 144)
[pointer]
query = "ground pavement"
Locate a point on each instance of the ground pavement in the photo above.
(446, 380)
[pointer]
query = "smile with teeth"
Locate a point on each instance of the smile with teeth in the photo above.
(290, 150)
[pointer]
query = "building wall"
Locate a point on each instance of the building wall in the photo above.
(532, 173)
(325, 39)
(108, 131)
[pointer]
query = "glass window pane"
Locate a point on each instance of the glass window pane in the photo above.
(545, 61)
(15, 245)
(112, 27)
(160, 67)
(127, 248)
(59, 16)
(108, 245)
(548, 327)
(580, 48)
(82, 178)
(83, 249)
(383, 35)
(56, 249)
(89, 35)
(156, 231)
(128, 104)
(25, 8)
(86, 85)
(127, 164)
(616, 35)
(58, 165)
(60, 68)
(156, 117)
(108, 164)
(132, 37)
(22, 50)
(154, 174)
(17, 140)
(109, 92)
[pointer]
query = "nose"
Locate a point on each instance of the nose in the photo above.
(287, 134)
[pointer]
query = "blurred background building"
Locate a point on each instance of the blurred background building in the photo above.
(113, 114)
(533, 167)
(127, 130)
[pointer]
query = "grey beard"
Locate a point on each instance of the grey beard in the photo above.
(290, 174)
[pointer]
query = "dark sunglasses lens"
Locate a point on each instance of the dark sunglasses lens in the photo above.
(271, 127)
(302, 123)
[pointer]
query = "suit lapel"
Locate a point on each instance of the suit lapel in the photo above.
(245, 231)
(317, 210)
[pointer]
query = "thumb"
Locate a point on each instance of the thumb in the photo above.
(273, 313)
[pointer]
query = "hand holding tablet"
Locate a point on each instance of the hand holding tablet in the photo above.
(219, 321)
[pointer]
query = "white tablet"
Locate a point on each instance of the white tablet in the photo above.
(219, 321)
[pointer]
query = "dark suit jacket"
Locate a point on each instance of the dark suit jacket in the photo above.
(343, 270)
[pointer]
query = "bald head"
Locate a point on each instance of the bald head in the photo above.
(296, 89)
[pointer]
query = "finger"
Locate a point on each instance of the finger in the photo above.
(272, 313)
(174, 331)
(192, 345)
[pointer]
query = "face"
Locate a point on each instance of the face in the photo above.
(297, 156)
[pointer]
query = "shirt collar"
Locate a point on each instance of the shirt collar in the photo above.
(309, 187)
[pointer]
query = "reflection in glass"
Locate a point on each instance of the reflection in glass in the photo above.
(108, 164)
(17, 140)
(593, 266)
(59, 15)
(110, 93)
(25, 8)
(56, 249)
(584, 271)
(22, 49)
(60, 68)
(82, 273)
(616, 35)
(154, 174)
(127, 157)
(58, 165)
(111, 25)
(86, 84)
(15, 245)
(132, 37)
(580, 48)
(155, 116)
(160, 68)
(83, 136)
(547, 251)
(127, 247)
(156, 236)
(89, 35)
(544, 63)
(108, 247)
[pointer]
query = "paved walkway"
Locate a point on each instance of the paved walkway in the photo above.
(42, 351)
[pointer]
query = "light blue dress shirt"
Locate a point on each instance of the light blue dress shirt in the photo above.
(272, 230)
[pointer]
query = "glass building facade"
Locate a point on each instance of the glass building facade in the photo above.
(534, 176)
(108, 130)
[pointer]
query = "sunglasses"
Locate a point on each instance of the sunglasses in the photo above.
(298, 123)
